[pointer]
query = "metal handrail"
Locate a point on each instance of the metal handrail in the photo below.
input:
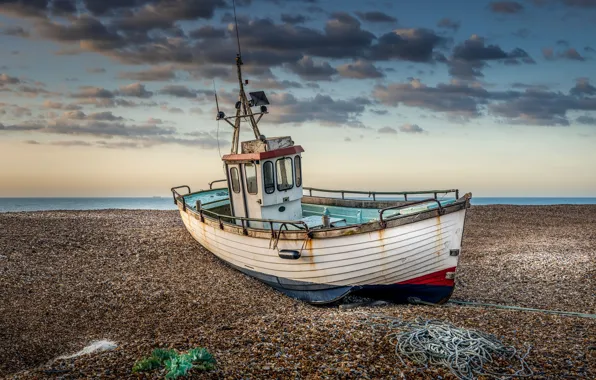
(295, 223)
(441, 210)
(216, 181)
(375, 193)
(174, 192)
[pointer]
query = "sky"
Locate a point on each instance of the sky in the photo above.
(115, 97)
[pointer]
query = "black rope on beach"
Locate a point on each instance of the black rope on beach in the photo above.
(464, 352)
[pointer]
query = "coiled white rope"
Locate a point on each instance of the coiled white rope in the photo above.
(466, 353)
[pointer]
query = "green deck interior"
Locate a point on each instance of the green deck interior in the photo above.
(218, 199)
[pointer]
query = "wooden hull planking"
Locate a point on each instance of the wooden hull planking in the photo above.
(401, 263)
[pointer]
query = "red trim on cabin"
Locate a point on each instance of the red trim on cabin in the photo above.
(436, 278)
(263, 155)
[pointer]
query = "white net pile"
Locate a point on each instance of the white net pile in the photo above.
(466, 353)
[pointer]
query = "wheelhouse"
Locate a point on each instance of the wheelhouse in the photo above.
(265, 180)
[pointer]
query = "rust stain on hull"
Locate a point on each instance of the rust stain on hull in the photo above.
(308, 250)
(383, 254)
(439, 237)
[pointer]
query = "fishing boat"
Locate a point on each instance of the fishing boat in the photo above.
(321, 245)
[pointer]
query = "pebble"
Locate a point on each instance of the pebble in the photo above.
(169, 292)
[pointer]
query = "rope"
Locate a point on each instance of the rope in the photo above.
(465, 353)
(568, 313)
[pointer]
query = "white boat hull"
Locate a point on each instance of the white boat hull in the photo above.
(415, 260)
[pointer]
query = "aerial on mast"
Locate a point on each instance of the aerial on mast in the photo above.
(243, 105)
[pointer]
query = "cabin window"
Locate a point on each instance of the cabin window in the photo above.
(251, 178)
(298, 170)
(285, 177)
(268, 177)
(234, 179)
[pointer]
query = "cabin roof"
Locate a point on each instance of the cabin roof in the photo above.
(263, 155)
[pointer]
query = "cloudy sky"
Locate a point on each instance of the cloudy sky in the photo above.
(115, 97)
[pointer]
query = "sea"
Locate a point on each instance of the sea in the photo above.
(167, 203)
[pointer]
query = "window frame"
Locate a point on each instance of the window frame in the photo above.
(254, 166)
(232, 170)
(298, 173)
(291, 174)
(273, 184)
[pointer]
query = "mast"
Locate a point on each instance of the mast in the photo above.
(243, 106)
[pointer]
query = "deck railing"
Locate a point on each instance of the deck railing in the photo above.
(298, 224)
(375, 194)
(219, 180)
(222, 218)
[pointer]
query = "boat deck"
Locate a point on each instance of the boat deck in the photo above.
(339, 215)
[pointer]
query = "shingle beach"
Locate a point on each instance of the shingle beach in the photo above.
(137, 278)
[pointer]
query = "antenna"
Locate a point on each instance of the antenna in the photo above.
(215, 93)
(236, 21)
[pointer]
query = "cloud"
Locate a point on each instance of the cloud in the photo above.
(342, 37)
(163, 14)
(71, 143)
(157, 73)
(535, 87)
(454, 99)
(359, 70)
(145, 32)
(322, 108)
(90, 31)
(105, 129)
(93, 92)
(571, 54)
(447, 23)
(308, 69)
(583, 88)
(587, 120)
(5, 79)
(31, 92)
(411, 128)
(416, 44)
(545, 108)
(179, 91)
(135, 90)
(16, 31)
(118, 144)
(80, 115)
(293, 19)
(387, 130)
(275, 84)
(107, 116)
(60, 106)
(474, 49)
(376, 16)
(95, 70)
(463, 101)
(470, 56)
(522, 33)
(507, 7)
(207, 32)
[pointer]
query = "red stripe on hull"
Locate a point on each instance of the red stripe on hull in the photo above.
(436, 278)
